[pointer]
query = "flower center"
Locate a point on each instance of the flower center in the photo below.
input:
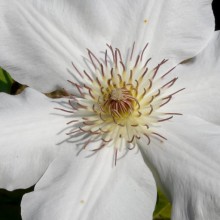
(119, 102)
(119, 94)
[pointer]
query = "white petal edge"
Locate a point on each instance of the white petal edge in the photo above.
(184, 29)
(40, 39)
(187, 167)
(90, 187)
(201, 78)
(31, 136)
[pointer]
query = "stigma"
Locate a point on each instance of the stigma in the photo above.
(120, 101)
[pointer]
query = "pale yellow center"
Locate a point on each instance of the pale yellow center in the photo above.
(121, 102)
(117, 94)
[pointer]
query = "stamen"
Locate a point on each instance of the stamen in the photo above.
(119, 55)
(132, 51)
(88, 76)
(158, 67)
(168, 100)
(122, 104)
(116, 155)
(123, 66)
(170, 83)
(145, 65)
(77, 86)
(159, 135)
(165, 119)
(102, 70)
(77, 70)
(142, 53)
(111, 49)
(106, 56)
(72, 122)
(136, 63)
(91, 56)
(168, 72)
(131, 148)
(146, 135)
(102, 145)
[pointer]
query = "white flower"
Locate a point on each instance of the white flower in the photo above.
(121, 101)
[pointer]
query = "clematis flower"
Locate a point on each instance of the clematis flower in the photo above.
(86, 152)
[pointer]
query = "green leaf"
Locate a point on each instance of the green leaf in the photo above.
(163, 207)
(5, 81)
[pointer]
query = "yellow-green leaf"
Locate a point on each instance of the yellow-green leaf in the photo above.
(163, 207)
(5, 81)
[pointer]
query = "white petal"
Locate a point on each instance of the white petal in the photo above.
(183, 29)
(92, 188)
(187, 166)
(40, 39)
(176, 30)
(30, 135)
(201, 78)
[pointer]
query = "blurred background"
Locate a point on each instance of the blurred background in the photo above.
(10, 201)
